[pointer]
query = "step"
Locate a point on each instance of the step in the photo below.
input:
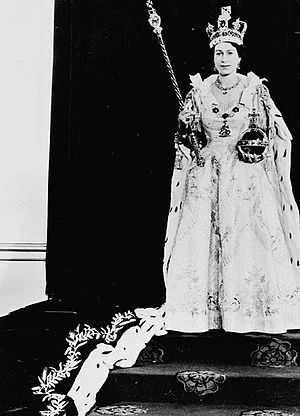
(175, 409)
(217, 346)
(228, 384)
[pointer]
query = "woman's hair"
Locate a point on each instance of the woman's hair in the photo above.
(240, 49)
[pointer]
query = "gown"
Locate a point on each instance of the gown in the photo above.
(232, 249)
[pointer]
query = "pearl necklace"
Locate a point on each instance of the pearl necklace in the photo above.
(226, 89)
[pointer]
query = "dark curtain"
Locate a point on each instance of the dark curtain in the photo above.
(113, 119)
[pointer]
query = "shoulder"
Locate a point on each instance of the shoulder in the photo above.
(255, 85)
(198, 83)
(244, 79)
(252, 80)
(200, 88)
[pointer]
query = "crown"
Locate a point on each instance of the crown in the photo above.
(224, 33)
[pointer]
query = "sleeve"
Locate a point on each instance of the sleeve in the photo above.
(281, 143)
(190, 115)
(189, 138)
(282, 146)
(276, 129)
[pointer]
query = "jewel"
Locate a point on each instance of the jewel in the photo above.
(225, 89)
(225, 33)
(225, 130)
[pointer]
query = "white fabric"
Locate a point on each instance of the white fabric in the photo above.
(233, 242)
(95, 369)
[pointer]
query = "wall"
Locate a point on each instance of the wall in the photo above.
(26, 45)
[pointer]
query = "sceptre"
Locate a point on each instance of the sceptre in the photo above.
(155, 22)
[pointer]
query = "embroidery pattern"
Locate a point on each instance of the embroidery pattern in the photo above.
(120, 410)
(261, 300)
(275, 353)
(77, 338)
(49, 379)
(200, 382)
(110, 333)
(229, 213)
(151, 354)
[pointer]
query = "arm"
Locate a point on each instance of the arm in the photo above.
(256, 140)
(190, 138)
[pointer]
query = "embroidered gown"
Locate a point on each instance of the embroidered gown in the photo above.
(232, 252)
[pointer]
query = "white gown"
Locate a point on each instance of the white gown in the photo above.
(233, 243)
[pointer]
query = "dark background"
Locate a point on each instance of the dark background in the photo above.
(113, 117)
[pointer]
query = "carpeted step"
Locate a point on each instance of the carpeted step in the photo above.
(190, 382)
(176, 409)
(221, 347)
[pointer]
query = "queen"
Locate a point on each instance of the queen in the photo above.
(232, 252)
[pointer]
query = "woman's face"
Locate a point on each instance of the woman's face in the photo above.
(226, 58)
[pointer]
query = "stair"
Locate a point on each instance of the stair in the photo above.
(242, 384)
(178, 409)
(214, 373)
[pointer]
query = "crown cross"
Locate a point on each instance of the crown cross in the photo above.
(224, 16)
(224, 33)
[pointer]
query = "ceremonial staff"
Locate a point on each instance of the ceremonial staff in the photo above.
(155, 22)
(190, 136)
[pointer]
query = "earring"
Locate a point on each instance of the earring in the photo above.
(239, 65)
(215, 69)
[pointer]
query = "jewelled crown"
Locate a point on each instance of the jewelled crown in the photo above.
(224, 33)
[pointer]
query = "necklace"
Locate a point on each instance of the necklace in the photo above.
(225, 89)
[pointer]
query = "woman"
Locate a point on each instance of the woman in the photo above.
(232, 253)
